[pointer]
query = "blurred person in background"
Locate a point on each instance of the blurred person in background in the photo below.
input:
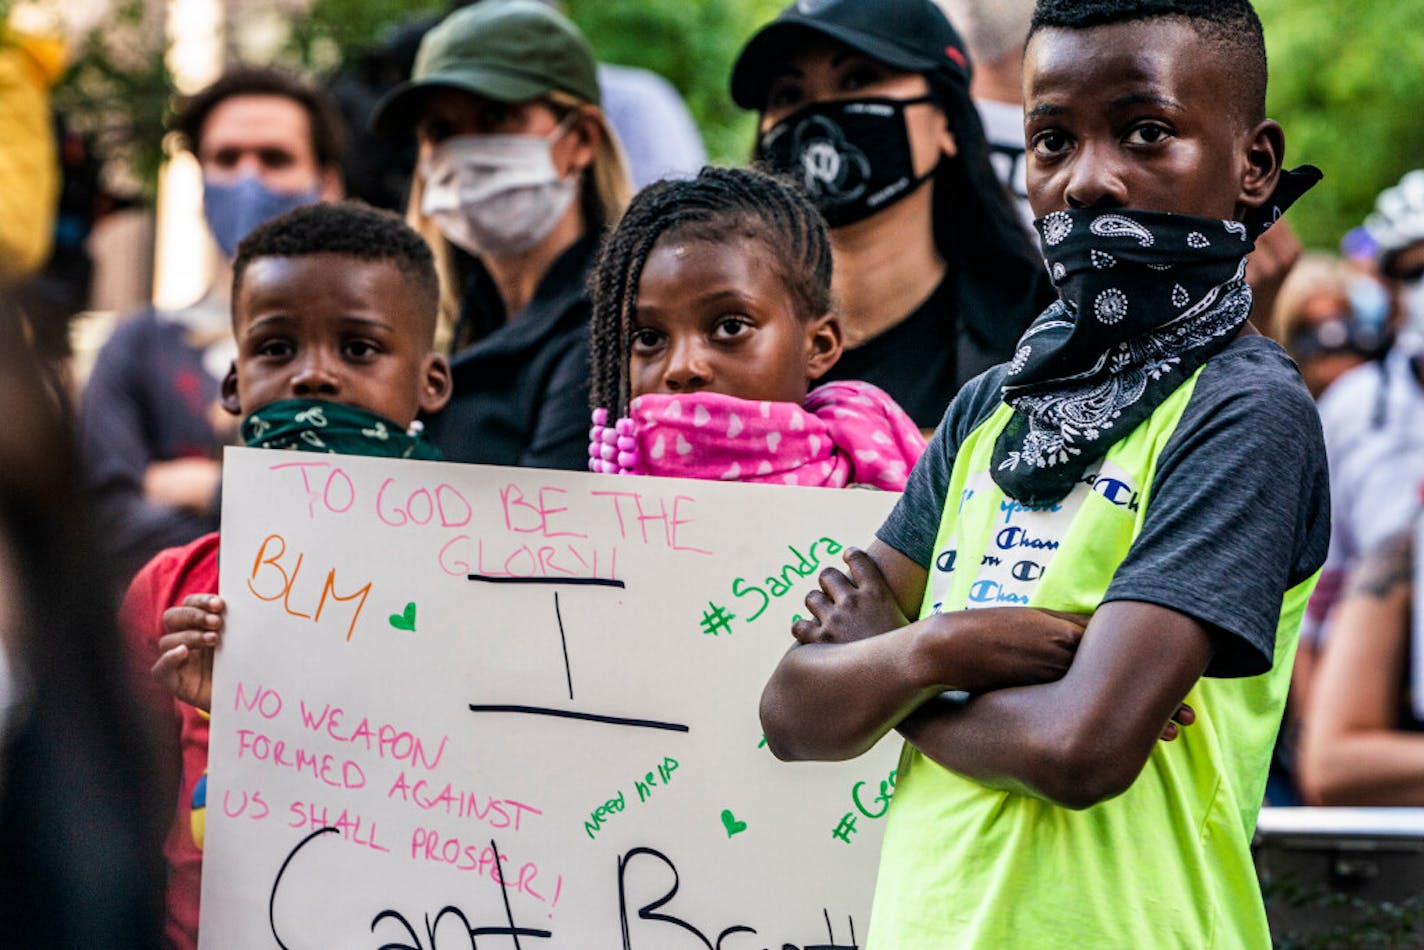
(1327, 324)
(867, 105)
(82, 804)
(31, 61)
(1397, 226)
(995, 34)
(60, 290)
(658, 134)
(1363, 739)
(1373, 418)
(50, 190)
(151, 428)
(518, 168)
(651, 121)
(29, 168)
(1331, 318)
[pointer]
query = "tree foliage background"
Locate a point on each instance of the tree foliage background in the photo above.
(1347, 83)
(1347, 78)
(694, 45)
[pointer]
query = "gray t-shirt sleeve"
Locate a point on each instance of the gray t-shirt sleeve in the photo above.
(914, 521)
(1239, 510)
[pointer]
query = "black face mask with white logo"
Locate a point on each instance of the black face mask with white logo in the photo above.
(852, 156)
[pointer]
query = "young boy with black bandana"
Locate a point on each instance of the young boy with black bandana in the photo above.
(1144, 484)
(333, 309)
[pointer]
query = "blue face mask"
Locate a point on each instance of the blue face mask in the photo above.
(234, 210)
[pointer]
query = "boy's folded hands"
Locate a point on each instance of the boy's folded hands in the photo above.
(185, 661)
(852, 608)
(977, 650)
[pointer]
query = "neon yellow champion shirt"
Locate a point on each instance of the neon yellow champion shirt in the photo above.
(1166, 864)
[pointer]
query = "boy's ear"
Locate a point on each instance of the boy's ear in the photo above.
(824, 343)
(229, 391)
(1265, 153)
(435, 384)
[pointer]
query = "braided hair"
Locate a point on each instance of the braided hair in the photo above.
(722, 206)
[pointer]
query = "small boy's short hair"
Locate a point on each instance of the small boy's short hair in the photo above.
(1230, 26)
(349, 228)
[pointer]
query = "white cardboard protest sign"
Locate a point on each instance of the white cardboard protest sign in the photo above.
(464, 706)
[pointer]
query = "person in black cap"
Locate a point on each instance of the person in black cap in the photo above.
(518, 169)
(866, 104)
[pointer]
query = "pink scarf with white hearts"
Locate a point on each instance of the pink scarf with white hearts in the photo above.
(849, 433)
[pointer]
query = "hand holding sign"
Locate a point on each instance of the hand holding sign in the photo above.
(185, 662)
(852, 608)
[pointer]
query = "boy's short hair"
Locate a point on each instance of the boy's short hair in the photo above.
(328, 137)
(1230, 26)
(351, 229)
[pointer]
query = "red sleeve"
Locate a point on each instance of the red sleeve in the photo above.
(164, 582)
(172, 575)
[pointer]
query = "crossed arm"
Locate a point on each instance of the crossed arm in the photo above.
(1061, 711)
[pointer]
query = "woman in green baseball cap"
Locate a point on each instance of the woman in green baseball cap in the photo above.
(866, 104)
(519, 173)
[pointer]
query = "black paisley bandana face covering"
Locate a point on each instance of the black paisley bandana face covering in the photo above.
(852, 156)
(314, 425)
(1144, 299)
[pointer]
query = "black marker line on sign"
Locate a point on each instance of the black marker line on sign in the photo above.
(583, 716)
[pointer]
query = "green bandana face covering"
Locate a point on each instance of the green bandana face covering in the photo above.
(314, 425)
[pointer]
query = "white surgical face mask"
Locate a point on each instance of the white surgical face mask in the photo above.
(496, 195)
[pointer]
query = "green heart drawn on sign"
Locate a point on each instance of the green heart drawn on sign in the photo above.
(730, 822)
(405, 621)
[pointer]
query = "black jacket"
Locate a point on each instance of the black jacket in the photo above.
(521, 391)
(968, 324)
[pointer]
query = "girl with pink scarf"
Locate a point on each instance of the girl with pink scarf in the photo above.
(712, 318)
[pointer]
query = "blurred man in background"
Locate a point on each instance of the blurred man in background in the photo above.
(151, 429)
(995, 34)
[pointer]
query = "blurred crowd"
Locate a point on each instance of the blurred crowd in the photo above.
(512, 151)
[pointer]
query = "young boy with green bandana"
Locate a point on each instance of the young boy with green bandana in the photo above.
(333, 308)
(1146, 461)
